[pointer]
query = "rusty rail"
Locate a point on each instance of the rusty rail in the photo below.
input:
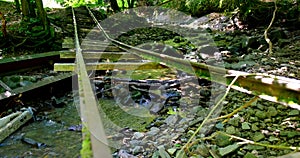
(88, 104)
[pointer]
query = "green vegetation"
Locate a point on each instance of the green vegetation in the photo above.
(77, 3)
(148, 74)
(122, 116)
(86, 150)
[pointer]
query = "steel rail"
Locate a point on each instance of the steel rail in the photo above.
(277, 89)
(89, 105)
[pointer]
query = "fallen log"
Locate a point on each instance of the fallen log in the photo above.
(18, 119)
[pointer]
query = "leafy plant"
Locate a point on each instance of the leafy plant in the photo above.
(78, 3)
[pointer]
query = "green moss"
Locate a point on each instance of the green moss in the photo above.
(148, 74)
(86, 150)
(136, 118)
(179, 42)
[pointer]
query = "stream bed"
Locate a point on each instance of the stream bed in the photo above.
(48, 136)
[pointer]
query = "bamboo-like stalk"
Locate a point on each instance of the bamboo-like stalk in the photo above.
(267, 29)
(236, 110)
(207, 117)
(246, 141)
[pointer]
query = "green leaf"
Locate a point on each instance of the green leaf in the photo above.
(228, 149)
(181, 154)
(163, 153)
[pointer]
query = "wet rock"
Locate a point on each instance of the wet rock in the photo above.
(153, 131)
(171, 120)
(138, 135)
(205, 93)
(124, 154)
(180, 130)
(184, 121)
(137, 149)
(127, 131)
(135, 142)
(156, 108)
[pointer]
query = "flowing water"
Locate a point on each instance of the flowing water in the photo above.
(47, 137)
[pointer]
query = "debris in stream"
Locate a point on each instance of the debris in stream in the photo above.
(13, 122)
(76, 128)
(152, 94)
(33, 142)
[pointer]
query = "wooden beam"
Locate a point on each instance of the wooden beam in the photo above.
(110, 66)
(96, 47)
(113, 56)
(38, 84)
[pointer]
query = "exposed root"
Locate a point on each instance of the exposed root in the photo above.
(267, 29)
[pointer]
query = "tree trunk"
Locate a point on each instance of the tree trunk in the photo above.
(130, 3)
(114, 5)
(18, 6)
(123, 4)
(42, 14)
(3, 28)
(100, 2)
(31, 9)
(25, 8)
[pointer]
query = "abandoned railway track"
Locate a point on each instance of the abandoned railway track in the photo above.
(23, 74)
(101, 52)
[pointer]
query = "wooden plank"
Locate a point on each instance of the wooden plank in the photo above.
(100, 48)
(94, 42)
(27, 63)
(110, 66)
(31, 57)
(38, 84)
(68, 43)
(113, 56)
